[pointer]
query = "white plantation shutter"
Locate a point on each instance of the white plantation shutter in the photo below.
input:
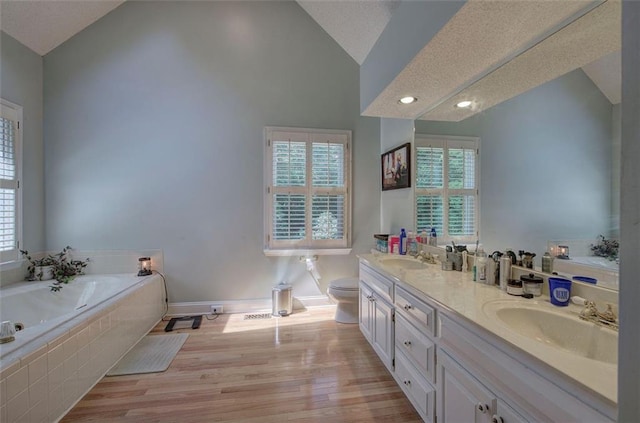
(307, 203)
(446, 187)
(9, 181)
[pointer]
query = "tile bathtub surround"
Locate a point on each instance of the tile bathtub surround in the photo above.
(44, 384)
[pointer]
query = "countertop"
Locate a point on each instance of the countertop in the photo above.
(457, 293)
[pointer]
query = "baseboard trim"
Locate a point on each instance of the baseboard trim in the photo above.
(243, 306)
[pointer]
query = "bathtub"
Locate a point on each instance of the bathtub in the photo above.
(70, 339)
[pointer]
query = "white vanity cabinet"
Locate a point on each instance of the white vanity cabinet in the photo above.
(376, 315)
(464, 399)
(415, 350)
(497, 384)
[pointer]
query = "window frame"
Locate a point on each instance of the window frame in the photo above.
(14, 112)
(447, 142)
(306, 246)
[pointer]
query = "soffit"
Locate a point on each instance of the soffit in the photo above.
(480, 38)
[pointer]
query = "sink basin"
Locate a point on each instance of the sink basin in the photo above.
(403, 263)
(557, 329)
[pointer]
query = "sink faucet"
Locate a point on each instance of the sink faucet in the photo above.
(590, 313)
(426, 257)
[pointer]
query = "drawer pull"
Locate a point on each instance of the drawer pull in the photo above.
(407, 343)
(407, 307)
(483, 408)
(497, 419)
(407, 382)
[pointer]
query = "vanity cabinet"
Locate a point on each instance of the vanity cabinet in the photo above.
(464, 399)
(415, 350)
(498, 384)
(376, 313)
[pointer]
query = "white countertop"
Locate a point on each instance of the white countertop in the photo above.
(458, 293)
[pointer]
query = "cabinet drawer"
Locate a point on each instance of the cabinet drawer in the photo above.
(416, 346)
(420, 392)
(419, 312)
(377, 282)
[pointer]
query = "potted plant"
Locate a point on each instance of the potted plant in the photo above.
(55, 266)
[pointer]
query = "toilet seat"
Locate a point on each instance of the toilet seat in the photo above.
(344, 284)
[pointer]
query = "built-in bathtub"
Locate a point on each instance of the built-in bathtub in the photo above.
(71, 339)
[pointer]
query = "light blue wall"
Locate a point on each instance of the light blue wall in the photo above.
(545, 164)
(154, 118)
(21, 83)
(396, 206)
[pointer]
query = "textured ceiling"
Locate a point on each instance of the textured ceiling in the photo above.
(480, 38)
(355, 25)
(592, 36)
(44, 25)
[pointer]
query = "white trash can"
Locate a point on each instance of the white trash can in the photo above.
(282, 300)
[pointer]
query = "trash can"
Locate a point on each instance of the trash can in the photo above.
(282, 300)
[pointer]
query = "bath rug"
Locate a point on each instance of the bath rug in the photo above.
(153, 354)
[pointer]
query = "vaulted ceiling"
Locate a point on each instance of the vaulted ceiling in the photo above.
(355, 25)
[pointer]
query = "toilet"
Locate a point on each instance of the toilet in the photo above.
(345, 293)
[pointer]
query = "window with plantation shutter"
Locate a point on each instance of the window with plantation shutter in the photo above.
(446, 193)
(10, 171)
(307, 195)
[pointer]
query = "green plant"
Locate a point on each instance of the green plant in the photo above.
(64, 268)
(606, 248)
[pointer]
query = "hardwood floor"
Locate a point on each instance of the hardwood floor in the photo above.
(300, 368)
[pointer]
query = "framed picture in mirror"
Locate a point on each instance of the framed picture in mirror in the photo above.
(396, 168)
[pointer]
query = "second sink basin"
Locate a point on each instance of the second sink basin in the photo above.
(556, 329)
(403, 263)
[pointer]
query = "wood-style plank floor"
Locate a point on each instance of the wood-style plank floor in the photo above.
(300, 368)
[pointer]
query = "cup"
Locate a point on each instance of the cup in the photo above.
(7, 329)
(559, 291)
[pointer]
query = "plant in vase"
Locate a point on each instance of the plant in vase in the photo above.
(58, 266)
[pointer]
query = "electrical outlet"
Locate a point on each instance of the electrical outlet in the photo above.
(216, 309)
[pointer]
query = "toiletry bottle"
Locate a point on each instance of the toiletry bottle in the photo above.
(412, 247)
(433, 237)
(505, 270)
(403, 242)
(481, 265)
(547, 263)
(424, 238)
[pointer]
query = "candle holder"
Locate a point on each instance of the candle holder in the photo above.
(562, 252)
(144, 266)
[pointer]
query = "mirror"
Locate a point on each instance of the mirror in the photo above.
(549, 157)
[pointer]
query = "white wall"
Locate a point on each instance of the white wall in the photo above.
(153, 134)
(545, 164)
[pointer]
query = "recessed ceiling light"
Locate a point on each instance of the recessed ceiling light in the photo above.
(408, 100)
(464, 104)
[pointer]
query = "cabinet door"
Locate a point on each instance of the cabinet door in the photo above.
(506, 414)
(462, 397)
(364, 314)
(383, 331)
